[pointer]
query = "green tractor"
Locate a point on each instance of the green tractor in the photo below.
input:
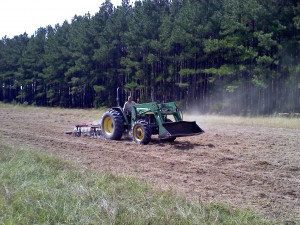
(164, 120)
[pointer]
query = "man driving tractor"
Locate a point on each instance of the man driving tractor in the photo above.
(128, 106)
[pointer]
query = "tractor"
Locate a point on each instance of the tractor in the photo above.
(146, 119)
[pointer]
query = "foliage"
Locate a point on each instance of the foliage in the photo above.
(202, 53)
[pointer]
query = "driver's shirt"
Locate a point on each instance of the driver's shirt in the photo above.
(128, 106)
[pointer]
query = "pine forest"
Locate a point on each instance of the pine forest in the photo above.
(210, 56)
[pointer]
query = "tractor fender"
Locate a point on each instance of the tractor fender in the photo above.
(120, 110)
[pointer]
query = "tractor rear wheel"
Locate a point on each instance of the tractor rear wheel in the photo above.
(141, 132)
(112, 125)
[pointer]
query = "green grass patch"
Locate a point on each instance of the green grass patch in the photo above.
(271, 121)
(36, 188)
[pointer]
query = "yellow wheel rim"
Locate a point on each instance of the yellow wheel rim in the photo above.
(108, 125)
(139, 133)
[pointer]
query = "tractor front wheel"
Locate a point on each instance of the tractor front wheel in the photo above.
(112, 125)
(141, 133)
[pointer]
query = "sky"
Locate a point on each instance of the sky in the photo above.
(19, 16)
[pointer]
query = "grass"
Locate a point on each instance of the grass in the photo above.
(262, 121)
(36, 188)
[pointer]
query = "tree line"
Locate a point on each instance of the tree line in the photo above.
(224, 56)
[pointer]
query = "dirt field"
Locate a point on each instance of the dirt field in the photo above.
(241, 165)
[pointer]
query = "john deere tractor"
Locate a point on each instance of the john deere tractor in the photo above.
(148, 119)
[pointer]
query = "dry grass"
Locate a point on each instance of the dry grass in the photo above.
(271, 121)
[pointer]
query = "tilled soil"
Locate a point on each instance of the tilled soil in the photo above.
(257, 167)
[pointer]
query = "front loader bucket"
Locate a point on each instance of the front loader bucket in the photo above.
(179, 129)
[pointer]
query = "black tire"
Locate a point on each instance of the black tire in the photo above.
(112, 125)
(141, 132)
(172, 139)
